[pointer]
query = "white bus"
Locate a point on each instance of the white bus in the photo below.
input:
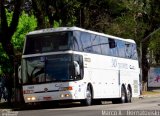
(71, 63)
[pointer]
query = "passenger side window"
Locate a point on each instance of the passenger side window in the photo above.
(113, 47)
(121, 48)
(128, 50)
(95, 43)
(134, 52)
(131, 51)
(86, 41)
(77, 44)
(104, 45)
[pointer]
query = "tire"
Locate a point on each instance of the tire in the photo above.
(123, 97)
(88, 100)
(129, 96)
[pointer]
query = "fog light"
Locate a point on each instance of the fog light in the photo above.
(28, 98)
(33, 98)
(62, 95)
(67, 95)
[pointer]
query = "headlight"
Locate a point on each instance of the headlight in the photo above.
(65, 95)
(28, 98)
(31, 98)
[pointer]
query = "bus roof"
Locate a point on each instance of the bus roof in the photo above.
(50, 30)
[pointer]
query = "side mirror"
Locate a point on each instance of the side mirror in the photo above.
(77, 68)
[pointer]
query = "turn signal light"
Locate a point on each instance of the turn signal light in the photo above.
(66, 88)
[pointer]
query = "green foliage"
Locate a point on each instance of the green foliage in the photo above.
(57, 24)
(124, 18)
(26, 24)
(130, 24)
(9, 17)
(4, 64)
(154, 47)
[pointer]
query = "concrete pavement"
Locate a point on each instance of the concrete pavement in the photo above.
(148, 94)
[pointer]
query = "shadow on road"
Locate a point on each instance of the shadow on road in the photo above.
(45, 105)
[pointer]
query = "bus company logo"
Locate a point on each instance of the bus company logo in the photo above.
(45, 89)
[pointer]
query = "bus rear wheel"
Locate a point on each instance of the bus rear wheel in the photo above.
(88, 100)
(123, 97)
(129, 96)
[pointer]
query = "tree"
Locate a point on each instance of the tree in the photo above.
(153, 23)
(50, 11)
(26, 24)
(154, 49)
(98, 14)
(7, 30)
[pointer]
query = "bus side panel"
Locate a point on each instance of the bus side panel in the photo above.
(129, 75)
(107, 74)
(103, 76)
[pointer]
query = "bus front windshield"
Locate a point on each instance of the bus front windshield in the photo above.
(42, 43)
(46, 69)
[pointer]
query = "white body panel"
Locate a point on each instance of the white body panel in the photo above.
(54, 91)
(105, 73)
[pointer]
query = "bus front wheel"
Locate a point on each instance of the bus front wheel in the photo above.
(88, 100)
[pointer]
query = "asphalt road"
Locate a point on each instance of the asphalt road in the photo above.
(149, 106)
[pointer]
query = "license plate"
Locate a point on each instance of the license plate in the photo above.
(47, 98)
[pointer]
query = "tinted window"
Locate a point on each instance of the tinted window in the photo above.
(47, 43)
(104, 45)
(86, 41)
(128, 50)
(131, 51)
(113, 47)
(121, 48)
(134, 52)
(77, 44)
(47, 68)
(95, 43)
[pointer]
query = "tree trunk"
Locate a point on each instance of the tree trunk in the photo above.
(39, 15)
(145, 64)
(6, 33)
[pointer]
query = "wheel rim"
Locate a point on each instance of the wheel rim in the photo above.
(123, 96)
(88, 96)
(128, 96)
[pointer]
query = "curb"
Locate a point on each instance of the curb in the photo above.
(148, 96)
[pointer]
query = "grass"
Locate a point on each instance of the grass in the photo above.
(150, 92)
